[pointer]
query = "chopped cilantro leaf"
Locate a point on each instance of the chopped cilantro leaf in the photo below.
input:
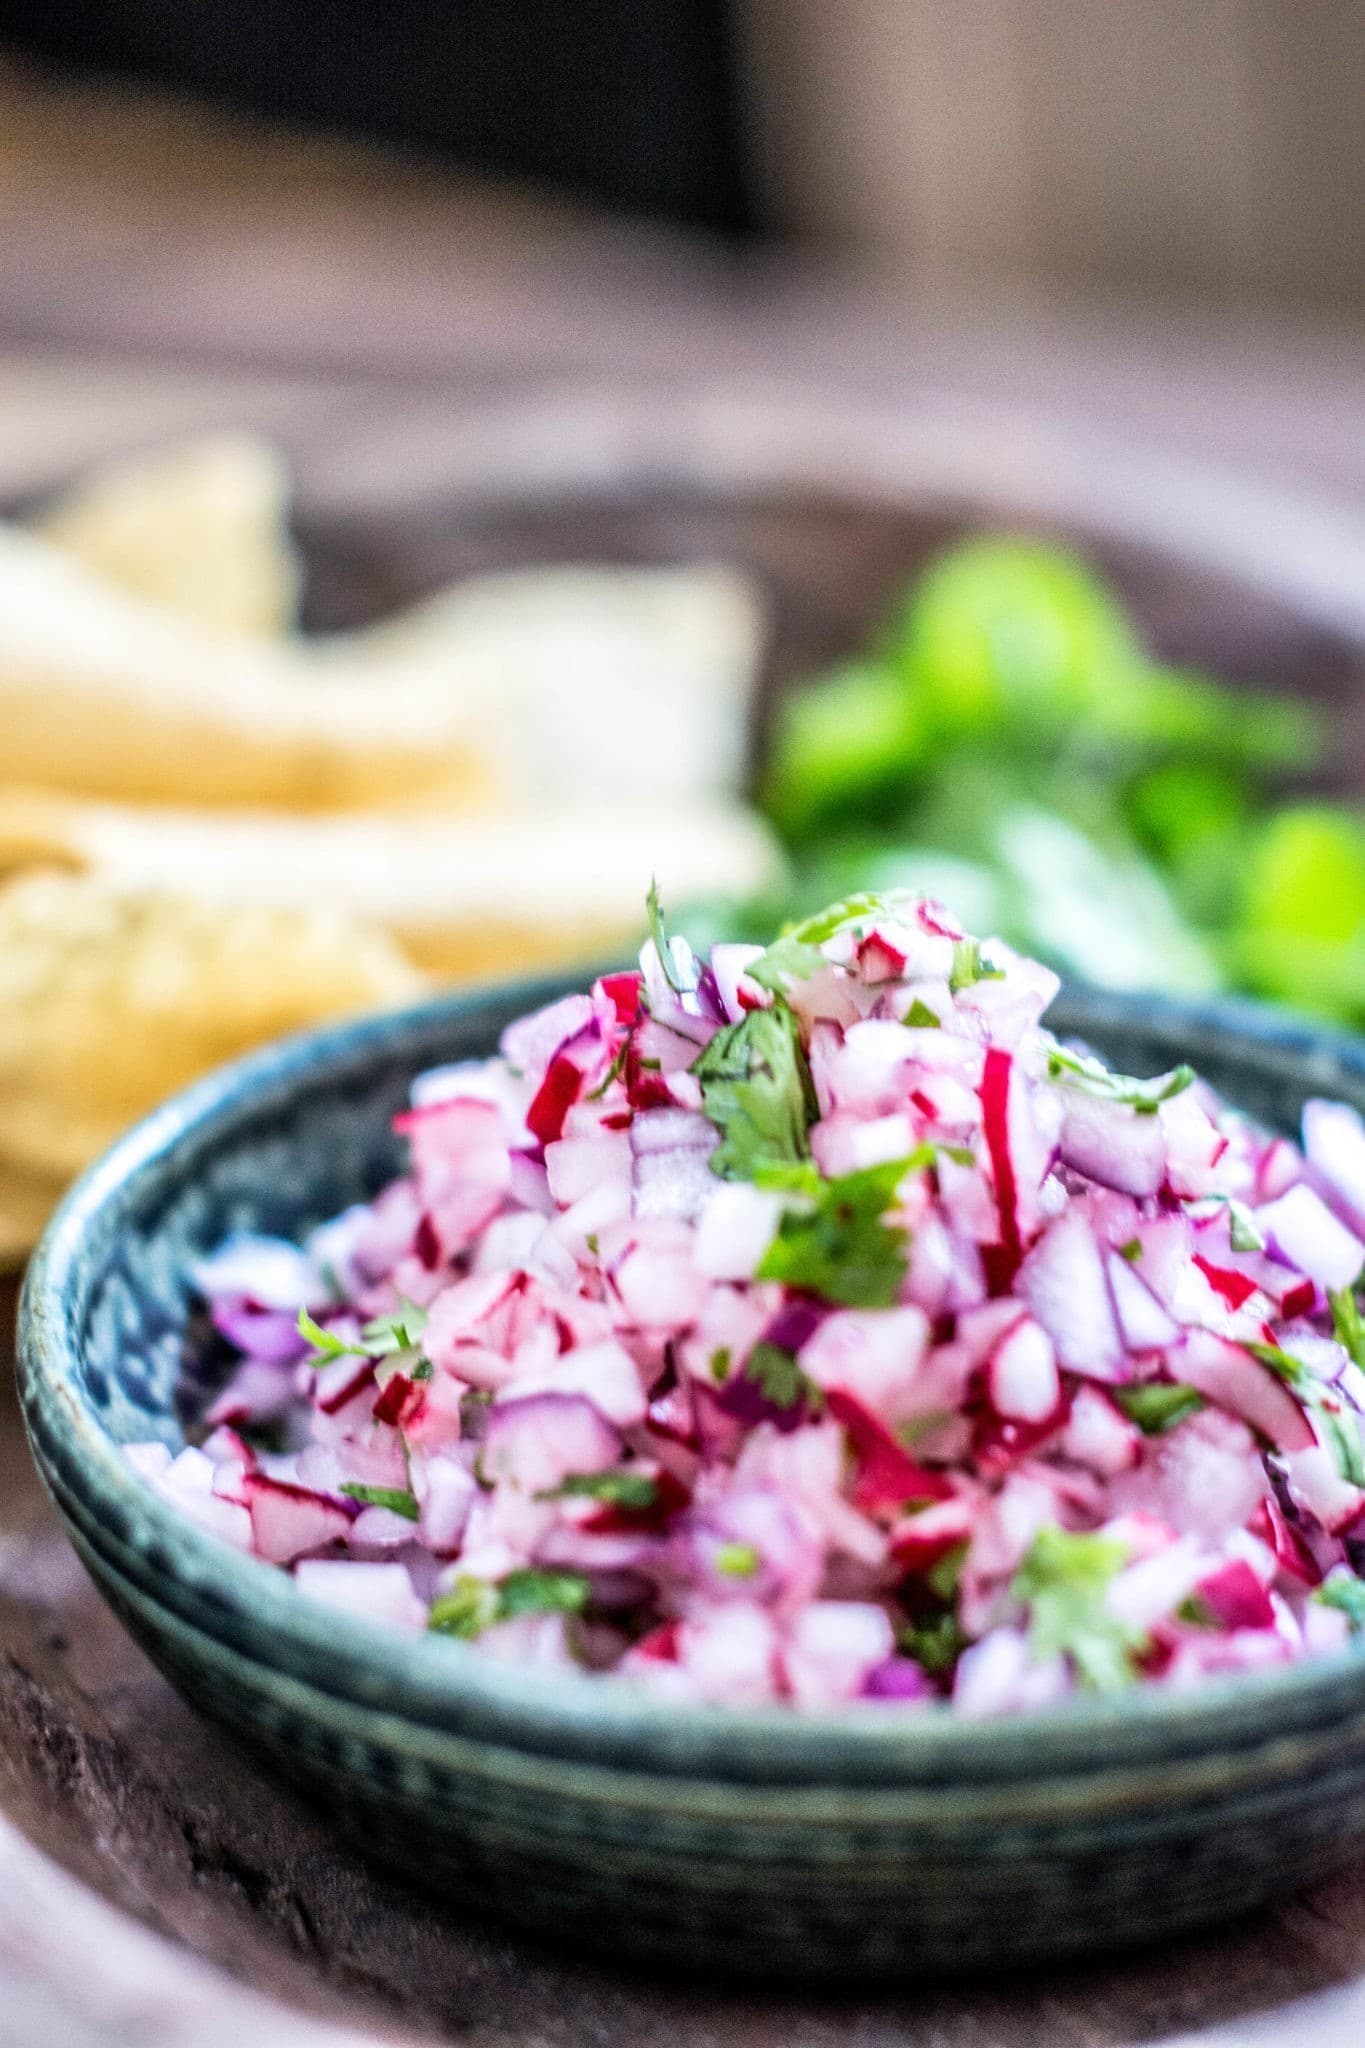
(397, 1499)
(1244, 1234)
(777, 1375)
(382, 1338)
(737, 1560)
(473, 1605)
(620, 1489)
(466, 1610)
(542, 1592)
(757, 1091)
(1131, 1250)
(1347, 1325)
(1078, 1070)
(1344, 1591)
(422, 1370)
(1155, 1407)
(396, 1332)
(920, 1015)
(326, 1343)
(1333, 1419)
(1064, 1579)
(613, 1073)
(718, 1364)
(796, 955)
(663, 945)
(942, 1577)
(968, 966)
(935, 1645)
(839, 1245)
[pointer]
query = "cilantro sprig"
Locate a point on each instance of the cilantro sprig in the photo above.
(383, 1337)
(397, 1499)
(1344, 1591)
(1331, 1416)
(835, 1239)
(1156, 1407)
(617, 1489)
(1092, 1077)
(473, 1605)
(663, 945)
(757, 1091)
(1064, 1580)
(1348, 1327)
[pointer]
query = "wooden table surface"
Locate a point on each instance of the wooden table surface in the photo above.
(158, 273)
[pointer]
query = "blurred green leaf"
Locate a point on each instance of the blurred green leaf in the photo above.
(843, 744)
(1011, 632)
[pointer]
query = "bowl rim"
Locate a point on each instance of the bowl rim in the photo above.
(445, 1686)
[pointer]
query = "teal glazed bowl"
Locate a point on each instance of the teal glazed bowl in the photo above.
(871, 1841)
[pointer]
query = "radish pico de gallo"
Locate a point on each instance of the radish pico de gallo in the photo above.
(809, 1325)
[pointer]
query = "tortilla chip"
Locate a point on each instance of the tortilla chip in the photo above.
(112, 997)
(460, 895)
(200, 528)
(104, 692)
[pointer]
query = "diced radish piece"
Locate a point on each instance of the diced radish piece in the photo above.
(889, 1479)
(1303, 1230)
(1229, 1376)
(832, 1649)
(922, 1539)
(873, 1354)
(1099, 1435)
(1317, 1486)
(1334, 1144)
(268, 1272)
(538, 1440)
(1235, 1288)
(531, 1043)
(1111, 1143)
(1145, 1592)
(1063, 1281)
(658, 1281)
(735, 1229)
(737, 993)
(604, 1374)
(1235, 1596)
(900, 1680)
(1144, 1324)
(1194, 1145)
(576, 1166)
(371, 1592)
(289, 1521)
(1021, 1374)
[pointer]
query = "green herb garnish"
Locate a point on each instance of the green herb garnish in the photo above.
(619, 1489)
(935, 1645)
(1344, 1591)
(922, 1017)
(1155, 1407)
(1078, 1070)
(757, 1091)
(397, 1499)
(473, 1605)
(968, 966)
(778, 1377)
(1347, 1324)
(663, 945)
(737, 1560)
(1064, 1580)
(838, 1243)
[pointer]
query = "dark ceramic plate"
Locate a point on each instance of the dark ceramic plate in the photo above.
(866, 1841)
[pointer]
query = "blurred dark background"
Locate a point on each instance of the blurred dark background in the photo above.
(631, 103)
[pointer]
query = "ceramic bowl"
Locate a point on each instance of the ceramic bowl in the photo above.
(878, 1840)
